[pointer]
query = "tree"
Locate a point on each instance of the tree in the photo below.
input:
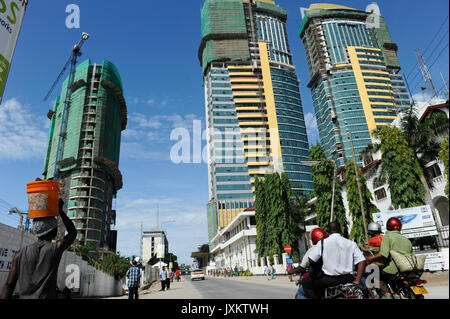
(322, 177)
(114, 264)
(260, 217)
(276, 215)
(354, 203)
(401, 168)
(423, 137)
(443, 155)
(203, 248)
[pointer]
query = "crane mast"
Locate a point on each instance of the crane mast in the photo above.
(75, 53)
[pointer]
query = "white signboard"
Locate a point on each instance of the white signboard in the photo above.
(11, 17)
(417, 221)
(160, 251)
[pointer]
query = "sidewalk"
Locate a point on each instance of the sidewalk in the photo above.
(178, 290)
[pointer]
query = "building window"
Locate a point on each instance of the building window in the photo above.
(377, 183)
(367, 160)
(433, 171)
(380, 194)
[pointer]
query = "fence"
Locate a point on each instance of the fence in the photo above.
(442, 239)
(86, 280)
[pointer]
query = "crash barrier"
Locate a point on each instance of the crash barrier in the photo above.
(73, 271)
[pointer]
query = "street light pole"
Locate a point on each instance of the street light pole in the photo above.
(359, 189)
(334, 187)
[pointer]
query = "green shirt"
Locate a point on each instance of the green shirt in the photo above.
(395, 241)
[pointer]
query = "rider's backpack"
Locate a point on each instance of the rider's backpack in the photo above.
(370, 250)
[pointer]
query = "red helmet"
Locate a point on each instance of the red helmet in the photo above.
(394, 223)
(318, 234)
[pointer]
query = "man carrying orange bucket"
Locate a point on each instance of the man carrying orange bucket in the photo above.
(35, 267)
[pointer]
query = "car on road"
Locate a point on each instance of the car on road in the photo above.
(197, 274)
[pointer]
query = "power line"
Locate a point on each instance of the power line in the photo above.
(428, 46)
(433, 63)
(426, 58)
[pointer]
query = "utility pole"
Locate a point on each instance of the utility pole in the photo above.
(334, 188)
(359, 189)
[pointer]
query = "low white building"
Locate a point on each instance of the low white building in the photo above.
(235, 244)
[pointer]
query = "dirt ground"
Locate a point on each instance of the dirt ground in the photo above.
(436, 278)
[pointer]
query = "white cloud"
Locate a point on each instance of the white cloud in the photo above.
(311, 128)
(23, 135)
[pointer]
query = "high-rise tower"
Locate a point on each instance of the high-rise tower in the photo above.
(355, 81)
(89, 174)
(254, 113)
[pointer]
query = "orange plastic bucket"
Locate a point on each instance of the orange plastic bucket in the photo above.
(43, 199)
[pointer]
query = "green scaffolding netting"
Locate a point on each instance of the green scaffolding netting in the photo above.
(223, 16)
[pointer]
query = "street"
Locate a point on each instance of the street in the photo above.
(256, 287)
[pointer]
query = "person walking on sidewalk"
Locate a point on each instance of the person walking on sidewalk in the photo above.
(177, 273)
(163, 278)
(35, 267)
(272, 272)
(133, 275)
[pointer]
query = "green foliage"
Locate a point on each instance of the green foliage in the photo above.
(401, 168)
(276, 215)
(354, 203)
(322, 177)
(115, 265)
(443, 155)
(203, 248)
(83, 250)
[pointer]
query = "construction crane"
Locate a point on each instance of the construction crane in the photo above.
(72, 61)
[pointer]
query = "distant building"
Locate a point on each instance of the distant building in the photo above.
(354, 76)
(89, 170)
(150, 240)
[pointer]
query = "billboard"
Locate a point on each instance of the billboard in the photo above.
(11, 17)
(417, 221)
(160, 251)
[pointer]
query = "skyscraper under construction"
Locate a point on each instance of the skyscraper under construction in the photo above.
(355, 82)
(89, 172)
(255, 120)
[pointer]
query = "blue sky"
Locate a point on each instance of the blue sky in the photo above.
(154, 46)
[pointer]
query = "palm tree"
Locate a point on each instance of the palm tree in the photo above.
(423, 136)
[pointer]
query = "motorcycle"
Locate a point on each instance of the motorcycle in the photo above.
(408, 285)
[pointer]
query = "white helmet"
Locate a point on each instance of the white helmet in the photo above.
(374, 227)
(137, 260)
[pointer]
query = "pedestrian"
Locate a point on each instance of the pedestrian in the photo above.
(35, 267)
(266, 271)
(236, 271)
(134, 275)
(177, 273)
(171, 276)
(163, 278)
(272, 272)
(168, 280)
(289, 267)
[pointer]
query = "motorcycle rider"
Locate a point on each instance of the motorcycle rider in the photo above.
(392, 240)
(340, 255)
(316, 235)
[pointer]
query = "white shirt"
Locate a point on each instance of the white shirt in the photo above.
(305, 260)
(340, 255)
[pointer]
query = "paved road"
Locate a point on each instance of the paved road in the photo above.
(217, 288)
(247, 288)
